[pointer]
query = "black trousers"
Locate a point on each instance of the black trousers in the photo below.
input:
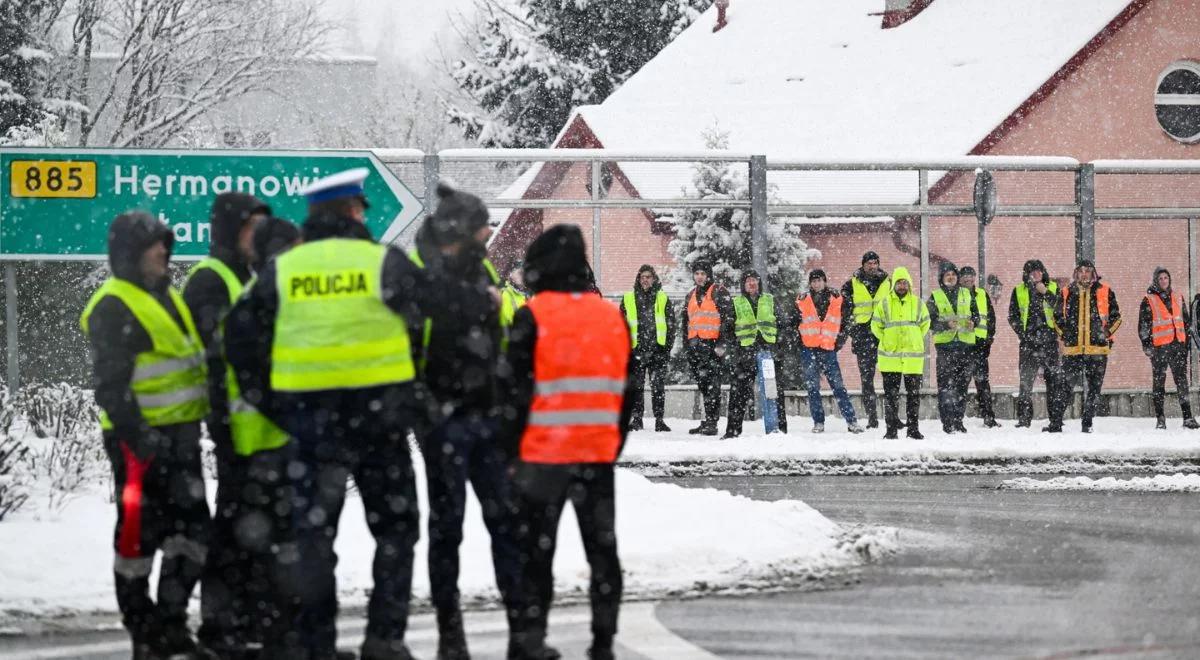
(891, 399)
(866, 352)
(541, 492)
(953, 379)
(652, 362)
(1173, 356)
(706, 369)
(1088, 370)
(1032, 358)
(980, 355)
(742, 385)
(160, 507)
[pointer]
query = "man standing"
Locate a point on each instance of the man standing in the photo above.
(821, 328)
(952, 318)
(652, 328)
(900, 323)
(1163, 323)
(859, 295)
(322, 342)
(513, 294)
(1088, 317)
(149, 378)
(1031, 315)
(707, 324)
(756, 330)
(981, 352)
(570, 423)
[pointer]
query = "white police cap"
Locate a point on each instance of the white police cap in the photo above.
(336, 186)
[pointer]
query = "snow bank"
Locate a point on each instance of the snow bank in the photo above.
(1159, 483)
(672, 541)
(1118, 444)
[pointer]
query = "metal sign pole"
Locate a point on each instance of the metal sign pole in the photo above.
(926, 288)
(10, 319)
(1193, 225)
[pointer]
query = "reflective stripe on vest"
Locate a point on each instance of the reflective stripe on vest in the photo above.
(981, 302)
(1023, 304)
(864, 302)
(1166, 326)
(169, 382)
(704, 321)
(660, 316)
(816, 332)
(579, 372)
(902, 344)
(749, 323)
(332, 330)
(949, 314)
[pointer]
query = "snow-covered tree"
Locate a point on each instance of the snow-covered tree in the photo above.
(722, 237)
(23, 63)
(532, 61)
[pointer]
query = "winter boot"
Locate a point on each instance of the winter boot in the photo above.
(1161, 424)
(991, 423)
(872, 420)
(530, 645)
(452, 639)
(1189, 422)
(1054, 427)
(143, 651)
(710, 428)
(699, 430)
(959, 427)
(635, 424)
(1024, 423)
(374, 648)
(730, 433)
(818, 428)
(892, 433)
(175, 641)
(914, 432)
(661, 426)
(853, 427)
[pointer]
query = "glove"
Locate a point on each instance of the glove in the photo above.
(720, 351)
(1148, 351)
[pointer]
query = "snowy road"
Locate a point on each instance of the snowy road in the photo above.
(982, 573)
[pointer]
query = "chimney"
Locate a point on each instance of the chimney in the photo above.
(723, 5)
(899, 12)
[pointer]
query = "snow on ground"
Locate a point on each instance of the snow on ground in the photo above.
(1163, 483)
(672, 541)
(1118, 444)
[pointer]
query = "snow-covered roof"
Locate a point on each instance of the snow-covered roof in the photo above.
(817, 80)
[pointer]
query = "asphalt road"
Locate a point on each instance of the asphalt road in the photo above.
(982, 573)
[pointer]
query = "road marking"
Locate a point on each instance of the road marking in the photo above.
(643, 633)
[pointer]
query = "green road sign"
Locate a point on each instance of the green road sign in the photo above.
(58, 203)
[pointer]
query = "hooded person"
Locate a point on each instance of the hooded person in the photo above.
(1164, 324)
(272, 237)
(900, 322)
(573, 398)
(1088, 318)
(651, 320)
(149, 381)
(706, 324)
(860, 293)
(1031, 316)
(980, 353)
(755, 331)
(953, 317)
(820, 328)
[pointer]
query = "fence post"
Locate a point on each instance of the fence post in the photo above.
(10, 320)
(596, 221)
(431, 165)
(1193, 236)
(758, 217)
(923, 199)
(1085, 222)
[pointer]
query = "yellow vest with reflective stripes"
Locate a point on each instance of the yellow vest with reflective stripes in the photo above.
(981, 302)
(948, 313)
(1023, 304)
(660, 317)
(864, 302)
(332, 330)
(252, 432)
(900, 326)
(749, 323)
(169, 381)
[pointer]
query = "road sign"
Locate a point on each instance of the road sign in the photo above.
(56, 204)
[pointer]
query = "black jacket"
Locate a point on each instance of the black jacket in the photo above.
(860, 331)
(647, 334)
(938, 324)
(1037, 331)
(724, 304)
(1146, 315)
(1083, 330)
(821, 302)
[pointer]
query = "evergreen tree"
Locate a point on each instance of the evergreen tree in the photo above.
(533, 61)
(22, 64)
(722, 236)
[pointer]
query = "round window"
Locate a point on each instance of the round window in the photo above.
(1177, 101)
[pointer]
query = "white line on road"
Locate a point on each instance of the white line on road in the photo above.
(642, 632)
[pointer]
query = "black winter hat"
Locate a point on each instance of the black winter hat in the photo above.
(557, 261)
(1032, 265)
(965, 271)
(272, 237)
(705, 267)
(129, 236)
(870, 255)
(817, 274)
(458, 215)
(1086, 262)
(229, 213)
(946, 267)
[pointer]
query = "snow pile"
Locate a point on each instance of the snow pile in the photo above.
(1159, 483)
(672, 541)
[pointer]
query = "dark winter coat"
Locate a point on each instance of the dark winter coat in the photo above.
(821, 302)
(1084, 332)
(464, 347)
(556, 261)
(860, 332)
(644, 302)
(1146, 315)
(936, 322)
(1037, 332)
(272, 237)
(986, 344)
(114, 332)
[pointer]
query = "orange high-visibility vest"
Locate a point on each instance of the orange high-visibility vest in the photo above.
(704, 321)
(1166, 326)
(1101, 301)
(815, 333)
(579, 373)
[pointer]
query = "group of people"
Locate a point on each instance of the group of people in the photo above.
(311, 353)
(1065, 335)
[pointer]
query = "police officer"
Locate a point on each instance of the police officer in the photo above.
(460, 368)
(652, 329)
(1088, 319)
(860, 293)
(1163, 327)
(900, 323)
(573, 400)
(981, 352)
(953, 317)
(323, 343)
(755, 329)
(1031, 316)
(149, 379)
(707, 326)
(212, 286)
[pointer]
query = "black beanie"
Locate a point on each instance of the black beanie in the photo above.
(817, 274)
(458, 215)
(870, 255)
(557, 261)
(946, 267)
(965, 271)
(705, 267)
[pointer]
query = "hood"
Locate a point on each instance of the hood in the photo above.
(271, 237)
(943, 268)
(1032, 265)
(747, 274)
(458, 216)
(324, 224)
(229, 213)
(1153, 288)
(557, 261)
(703, 266)
(901, 273)
(129, 235)
(654, 288)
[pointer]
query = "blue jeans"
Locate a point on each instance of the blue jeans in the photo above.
(816, 361)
